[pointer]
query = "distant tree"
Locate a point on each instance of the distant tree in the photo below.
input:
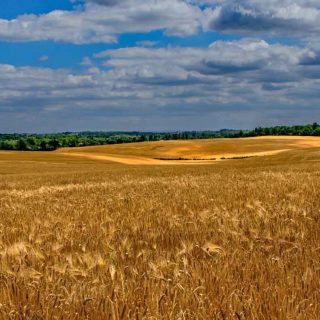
(53, 144)
(316, 132)
(31, 141)
(22, 145)
(142, 138)
(72, 142)
(307, 131)
(267, 131)
(43, 145)
(7, 145)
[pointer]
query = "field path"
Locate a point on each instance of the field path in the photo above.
(191, 152)
(130, 160)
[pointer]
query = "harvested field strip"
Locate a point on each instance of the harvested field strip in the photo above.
(191, 151)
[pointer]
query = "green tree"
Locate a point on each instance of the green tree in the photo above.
(43, 145)
(53, 144)
(22, 145)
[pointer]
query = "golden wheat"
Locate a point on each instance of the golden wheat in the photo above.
(84, 239)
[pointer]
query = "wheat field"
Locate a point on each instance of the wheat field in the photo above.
(191, 151)
(85, 238)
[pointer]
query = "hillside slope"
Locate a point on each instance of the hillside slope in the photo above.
(192, 151)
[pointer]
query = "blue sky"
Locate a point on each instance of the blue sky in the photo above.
(157, 64)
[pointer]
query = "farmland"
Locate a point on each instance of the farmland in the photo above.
(113, 232)
(194, 151)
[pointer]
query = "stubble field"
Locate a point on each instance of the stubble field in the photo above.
(83, 237)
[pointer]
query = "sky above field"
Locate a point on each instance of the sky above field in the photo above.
(68, 65)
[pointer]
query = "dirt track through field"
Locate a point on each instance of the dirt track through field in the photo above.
(136, 160)
(149, 161)
(191, 152)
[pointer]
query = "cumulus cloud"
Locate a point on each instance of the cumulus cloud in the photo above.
(93, 22)
(247, 56)
(297, 18)
(222, 85)
(222, 81)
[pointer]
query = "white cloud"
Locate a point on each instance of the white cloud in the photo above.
(221, 58)
(226, 80)
(94, 23)
(103, 20)
(228, 77)
(295, 18)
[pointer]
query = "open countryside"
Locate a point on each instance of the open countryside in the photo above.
(85, 235)
(159, 160)
(193, 150)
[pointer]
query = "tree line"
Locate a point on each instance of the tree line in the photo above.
(301, 130)
(50, 142)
